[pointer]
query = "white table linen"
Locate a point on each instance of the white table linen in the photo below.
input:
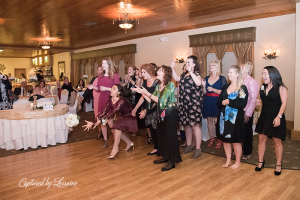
(19, 131)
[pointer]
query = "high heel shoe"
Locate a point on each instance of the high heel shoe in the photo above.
(149, 140)
(105, 144)
(211, 142)
(276, 172)
(219, 144)
(131, 145)
(113, 156)
(258, 169)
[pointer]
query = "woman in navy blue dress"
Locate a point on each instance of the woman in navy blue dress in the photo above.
(213, 85)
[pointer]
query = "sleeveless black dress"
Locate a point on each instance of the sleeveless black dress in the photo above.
(271, 104)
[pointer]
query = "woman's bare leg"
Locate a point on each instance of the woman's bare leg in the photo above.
(197, 135)
(237, 147)
(227, 148)
(278, 151)
(262, 139)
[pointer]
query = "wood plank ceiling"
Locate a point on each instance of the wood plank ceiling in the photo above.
(78, 24)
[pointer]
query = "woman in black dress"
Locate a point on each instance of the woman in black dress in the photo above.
(230, 125)
(271, 123)
(164, 97)
(190, 104)
(148, 112)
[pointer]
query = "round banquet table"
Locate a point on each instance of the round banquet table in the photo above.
(21, 128)
(53, 98)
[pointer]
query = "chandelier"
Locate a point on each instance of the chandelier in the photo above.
(125, 21)
(46, 44)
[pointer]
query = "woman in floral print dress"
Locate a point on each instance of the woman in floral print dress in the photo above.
(190, 104)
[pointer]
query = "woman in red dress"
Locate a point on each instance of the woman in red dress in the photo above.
(102, 86)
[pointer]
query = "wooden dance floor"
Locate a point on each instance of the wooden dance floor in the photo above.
(132, 175)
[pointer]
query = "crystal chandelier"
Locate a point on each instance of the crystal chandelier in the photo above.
(45, 44)
(125, 22)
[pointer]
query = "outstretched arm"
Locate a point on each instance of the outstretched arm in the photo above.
(175, 76)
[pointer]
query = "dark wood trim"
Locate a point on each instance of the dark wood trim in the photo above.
(295, 135)
(224, 37)
(222, 22)
(118, 50)
(289, 124)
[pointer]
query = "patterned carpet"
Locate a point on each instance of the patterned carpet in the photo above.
(291, 148)
(290, 156)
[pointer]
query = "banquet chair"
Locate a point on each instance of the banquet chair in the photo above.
(20, 104)
(73, 109)
(88, 106)
(64, 96)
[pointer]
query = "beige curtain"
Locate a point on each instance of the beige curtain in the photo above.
(76, 72)
(99, 61)
(240, 50)
(90, 69)
(220, 52)
(249, 56)
(128, 59)
(201, 53)
(116, 60)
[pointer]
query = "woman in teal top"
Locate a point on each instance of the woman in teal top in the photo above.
(168, 116)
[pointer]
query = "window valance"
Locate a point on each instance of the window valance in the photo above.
(224, 37)
(112, 51)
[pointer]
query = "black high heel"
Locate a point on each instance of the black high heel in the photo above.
(276, 172)
(259, 169)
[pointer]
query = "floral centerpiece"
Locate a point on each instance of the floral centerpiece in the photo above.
(72, 120)
(85, 77)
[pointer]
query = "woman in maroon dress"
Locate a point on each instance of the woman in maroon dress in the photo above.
(105, 81)
(117, 113)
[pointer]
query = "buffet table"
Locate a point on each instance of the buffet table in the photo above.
(22, 128)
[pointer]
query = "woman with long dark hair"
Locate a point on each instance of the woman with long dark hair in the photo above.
(117, 113)
(271, 123)
(164, 97)
(190, 104)
(80, 85)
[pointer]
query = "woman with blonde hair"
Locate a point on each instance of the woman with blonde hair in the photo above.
(230, 125)
(106, 79)
(212, 87)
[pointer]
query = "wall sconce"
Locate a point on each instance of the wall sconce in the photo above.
(179, 60)
(271, 55)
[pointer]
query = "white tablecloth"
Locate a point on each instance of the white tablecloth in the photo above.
(18, 134)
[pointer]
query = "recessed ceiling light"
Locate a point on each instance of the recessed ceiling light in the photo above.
(1, 50)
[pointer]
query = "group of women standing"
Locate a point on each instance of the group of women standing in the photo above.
(228, 109)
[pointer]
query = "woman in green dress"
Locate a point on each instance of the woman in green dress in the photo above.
(168, 116)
